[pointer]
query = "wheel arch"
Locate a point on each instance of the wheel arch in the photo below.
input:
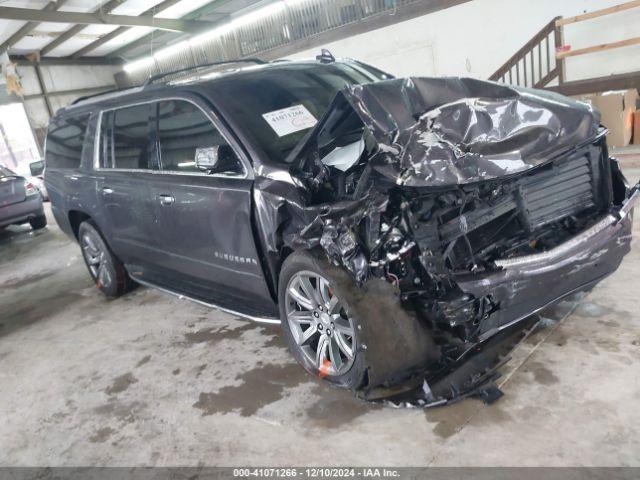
(285, 253)
(76, 217)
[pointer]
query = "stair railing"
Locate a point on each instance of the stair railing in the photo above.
(535, 64)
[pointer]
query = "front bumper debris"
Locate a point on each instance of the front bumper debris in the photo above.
(522, 288)
(473, 375)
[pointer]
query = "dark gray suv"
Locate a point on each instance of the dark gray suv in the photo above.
(392, 226)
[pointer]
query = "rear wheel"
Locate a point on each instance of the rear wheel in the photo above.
(104, 267)
(38, 222)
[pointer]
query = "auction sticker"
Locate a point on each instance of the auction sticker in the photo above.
(290, 120)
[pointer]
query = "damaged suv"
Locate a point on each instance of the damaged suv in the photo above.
(391, 225)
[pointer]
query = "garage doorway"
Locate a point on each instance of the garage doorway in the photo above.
(18, 147)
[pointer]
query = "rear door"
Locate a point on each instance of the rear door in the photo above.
(126, 167)
(205, 220)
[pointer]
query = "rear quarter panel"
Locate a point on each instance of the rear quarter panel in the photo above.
(74, 189)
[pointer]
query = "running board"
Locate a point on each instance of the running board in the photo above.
(181, 296)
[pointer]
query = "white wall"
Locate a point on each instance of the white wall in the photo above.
(476, 38)
(59, 78)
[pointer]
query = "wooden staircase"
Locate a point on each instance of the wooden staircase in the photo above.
(535, 64)
(540, 63)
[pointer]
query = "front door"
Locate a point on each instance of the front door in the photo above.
(205, 220)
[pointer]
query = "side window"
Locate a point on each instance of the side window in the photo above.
(124, 138)
(64, 142)
(185, 132)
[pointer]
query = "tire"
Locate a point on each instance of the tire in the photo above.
(39, 222)
(351, 374)
(106, 270)
(390, 344)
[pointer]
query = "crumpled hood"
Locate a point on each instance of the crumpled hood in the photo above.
(452, 131)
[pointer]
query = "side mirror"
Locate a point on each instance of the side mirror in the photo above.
(36, 168)
(217, 159)
(208, 159)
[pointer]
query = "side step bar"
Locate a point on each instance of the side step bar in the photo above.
(267, 320)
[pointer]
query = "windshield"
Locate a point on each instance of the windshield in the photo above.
(278, 106)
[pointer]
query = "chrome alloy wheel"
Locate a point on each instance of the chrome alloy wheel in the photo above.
(96, 260)
(320, 326)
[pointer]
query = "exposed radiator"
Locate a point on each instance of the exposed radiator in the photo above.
(566, 189)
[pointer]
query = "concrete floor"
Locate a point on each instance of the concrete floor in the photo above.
(149, 379)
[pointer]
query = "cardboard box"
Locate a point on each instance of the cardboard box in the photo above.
(618, 110)
(636, 128)
(586, 98)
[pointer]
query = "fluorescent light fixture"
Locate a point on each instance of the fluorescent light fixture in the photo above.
(172, 50)
(241, 21)
(140, 64)
(251, 17)
(211, 34)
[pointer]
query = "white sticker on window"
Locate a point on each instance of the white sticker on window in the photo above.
(290, 120)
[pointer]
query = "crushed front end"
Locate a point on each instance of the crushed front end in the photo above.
(498, 251)
(481, 204)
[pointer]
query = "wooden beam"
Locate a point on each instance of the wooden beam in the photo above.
(598, 13)
(73, 31)
(77, 91)
(120, 30)
(43, 90)
(23, 61)
(624, 81)
(207, 9)
(99, 42)
(28, 27)
(598, 48)
(31, 15)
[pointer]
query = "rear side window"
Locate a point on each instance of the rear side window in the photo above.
(124, 138)
(64, 141)
(184, 131)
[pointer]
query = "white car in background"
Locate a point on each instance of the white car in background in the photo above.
(37, 178)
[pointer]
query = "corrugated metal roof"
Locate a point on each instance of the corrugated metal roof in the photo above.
(45, 33)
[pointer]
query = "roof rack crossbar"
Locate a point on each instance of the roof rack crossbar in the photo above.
(158, 76)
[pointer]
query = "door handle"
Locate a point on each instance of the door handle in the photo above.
(107, 191)
(166, 199)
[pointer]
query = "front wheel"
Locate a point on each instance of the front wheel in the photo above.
(105, 268)
(316, 321)
(353, 337)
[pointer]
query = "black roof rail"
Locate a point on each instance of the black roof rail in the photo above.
(158, 76)
(86, 97)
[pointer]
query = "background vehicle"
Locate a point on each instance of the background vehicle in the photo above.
(20, 201)
(283, 191)
(37, 178)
